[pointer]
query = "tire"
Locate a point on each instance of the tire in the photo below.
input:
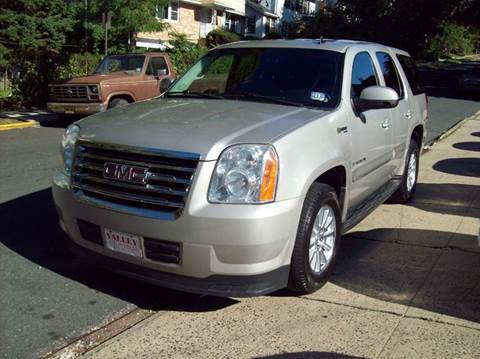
(406, 191)
(118, 102)
(307, 277)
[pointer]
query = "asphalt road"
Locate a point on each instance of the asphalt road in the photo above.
(447, 103)
(46, 297)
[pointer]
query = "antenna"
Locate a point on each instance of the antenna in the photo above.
(321, 40)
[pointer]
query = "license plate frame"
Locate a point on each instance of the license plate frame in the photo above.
(123, 242)
(69, 110)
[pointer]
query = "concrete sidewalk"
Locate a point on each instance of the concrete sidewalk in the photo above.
(407, 285)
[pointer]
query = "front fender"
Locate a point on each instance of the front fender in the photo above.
(308, 152)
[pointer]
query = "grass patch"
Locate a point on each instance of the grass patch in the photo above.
(5, 93)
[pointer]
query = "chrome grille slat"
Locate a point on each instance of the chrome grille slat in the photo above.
(140, 163)
(128, 197)
(164, 178)
(70, 92)
(165, 188)
(147, 188)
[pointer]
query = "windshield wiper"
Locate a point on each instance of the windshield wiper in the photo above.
(187, 93)
(274, 99)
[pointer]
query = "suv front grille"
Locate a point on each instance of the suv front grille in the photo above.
(162, 194)
(70, 92)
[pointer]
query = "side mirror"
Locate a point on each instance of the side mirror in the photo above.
(165, 84)
(161, 72)
(376, 97)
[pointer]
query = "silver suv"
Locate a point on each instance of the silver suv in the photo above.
(243, 176)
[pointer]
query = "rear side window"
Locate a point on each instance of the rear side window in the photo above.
(157, 67)
(411, 71)
(390, 72)
(363, 74)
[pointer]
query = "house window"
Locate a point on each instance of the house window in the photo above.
(251, 20)
(169, 12)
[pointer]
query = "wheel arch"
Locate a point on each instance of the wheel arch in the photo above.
(417, 135)
(126, 95)
(336, 175)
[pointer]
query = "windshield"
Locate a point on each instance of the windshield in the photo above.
(128, 63)
(302, 77)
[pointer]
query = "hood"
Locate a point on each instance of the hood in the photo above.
(200, 126)
(100, 78)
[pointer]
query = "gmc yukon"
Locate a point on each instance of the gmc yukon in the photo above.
(243, 176)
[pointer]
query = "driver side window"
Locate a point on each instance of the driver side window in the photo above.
(157, 67)
(363, 74)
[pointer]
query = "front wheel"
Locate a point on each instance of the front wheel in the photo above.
(318, 240)
(408, 185)
(118, 102)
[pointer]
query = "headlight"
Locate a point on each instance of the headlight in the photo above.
(93, 89)
(68, 147)
(245, 174)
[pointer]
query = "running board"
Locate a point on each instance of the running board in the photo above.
(367, 207)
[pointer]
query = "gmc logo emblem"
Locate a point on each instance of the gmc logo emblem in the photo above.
(124, 173)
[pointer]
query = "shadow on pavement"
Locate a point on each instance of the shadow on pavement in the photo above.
(60, 121)
(475, 134)
(309, 355)
(469, 167)
(468, 146)
(33, 233)
(400, 272)
(446, 198)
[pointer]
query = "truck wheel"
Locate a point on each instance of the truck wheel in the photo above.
(318, 240)
(118, 102)
(409, 179)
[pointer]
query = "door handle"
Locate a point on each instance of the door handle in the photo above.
(408, 115)
(386, 124)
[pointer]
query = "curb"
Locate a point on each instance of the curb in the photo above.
(452, 129)
(23, 124)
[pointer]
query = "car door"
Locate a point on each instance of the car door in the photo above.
(370, 134)
(401, 115)
(157, 69)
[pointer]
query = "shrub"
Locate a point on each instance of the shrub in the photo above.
(183, 52)
(78, 65)
(220, 36)
(452, 39)
(273, 35)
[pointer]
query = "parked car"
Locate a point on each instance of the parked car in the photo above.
(243, 177)
(117, 81)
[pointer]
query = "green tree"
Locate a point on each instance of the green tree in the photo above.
(32, 34)
(402, 23)
(452, 39)
(183, 52)
(128, 17)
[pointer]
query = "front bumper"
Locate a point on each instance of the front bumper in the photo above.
(226, 250)
(82, 108)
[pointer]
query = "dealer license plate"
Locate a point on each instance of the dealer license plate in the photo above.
(123, 242)
(69, 110)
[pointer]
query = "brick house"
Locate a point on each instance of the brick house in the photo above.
(195, 18)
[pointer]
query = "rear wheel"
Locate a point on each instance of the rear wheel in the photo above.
(118, 102)
(408, 185)
(318, 240)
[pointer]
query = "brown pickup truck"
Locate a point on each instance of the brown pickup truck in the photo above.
(117, 81)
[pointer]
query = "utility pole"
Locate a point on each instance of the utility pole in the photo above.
(106, 21)
(86, 34)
